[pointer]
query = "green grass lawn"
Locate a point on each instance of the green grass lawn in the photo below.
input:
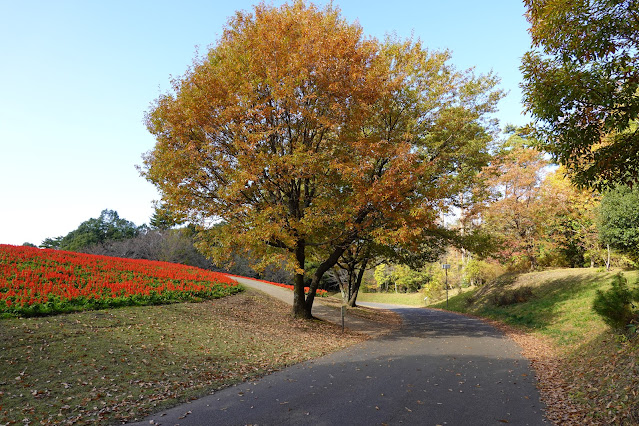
(116, 365)
(411, 299)
(602, 368)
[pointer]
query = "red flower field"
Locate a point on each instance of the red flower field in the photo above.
(43, 281)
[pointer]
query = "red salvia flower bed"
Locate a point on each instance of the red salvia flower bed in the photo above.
(43, 281)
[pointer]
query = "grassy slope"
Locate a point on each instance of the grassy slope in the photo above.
(113, 365)
(601, 370)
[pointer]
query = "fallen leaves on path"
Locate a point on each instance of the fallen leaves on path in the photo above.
(554, 390)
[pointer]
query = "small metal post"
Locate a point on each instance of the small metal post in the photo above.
(446, 288)
(446, 267)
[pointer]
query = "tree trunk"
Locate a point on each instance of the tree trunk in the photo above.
(342, 287)
(351, 271)
(532, 257)
(317, 277)
(308, 306)
(358, 282)
(352, 302)
(299, 300)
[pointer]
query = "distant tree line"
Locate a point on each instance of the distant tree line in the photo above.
(518, 219)
(106, 227)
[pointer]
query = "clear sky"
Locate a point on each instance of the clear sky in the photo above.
(76, 77)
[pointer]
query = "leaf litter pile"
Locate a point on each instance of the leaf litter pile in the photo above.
(122, 364)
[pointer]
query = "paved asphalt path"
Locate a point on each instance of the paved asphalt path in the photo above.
(439, 369)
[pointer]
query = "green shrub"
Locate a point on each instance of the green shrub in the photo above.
(470, 299)
(616, 306)
(480, 272)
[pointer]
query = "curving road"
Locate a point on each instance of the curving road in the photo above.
(439, 369)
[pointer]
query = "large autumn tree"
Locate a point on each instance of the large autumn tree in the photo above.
(570, 214)
(304, 136)
(514, 211)
(581, 84)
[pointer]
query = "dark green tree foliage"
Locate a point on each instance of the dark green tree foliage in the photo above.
(107, 227)
(619, 220)
(581, 85)
(51, 243)
(163, 218)
(616, 305)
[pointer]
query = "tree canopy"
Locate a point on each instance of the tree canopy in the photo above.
(619, 220)
(109, 226)
(304, 136)
(581, 85)
(163, 219)
(515, 211)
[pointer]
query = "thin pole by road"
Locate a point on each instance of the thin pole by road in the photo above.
(439, 369)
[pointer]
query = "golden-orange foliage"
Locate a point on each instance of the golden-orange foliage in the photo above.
(304, 135)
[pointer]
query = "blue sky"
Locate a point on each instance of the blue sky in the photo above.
(77, 76)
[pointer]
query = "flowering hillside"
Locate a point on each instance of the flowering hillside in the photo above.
(43, 281)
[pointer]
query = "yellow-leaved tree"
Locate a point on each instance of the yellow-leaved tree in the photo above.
(304, 136)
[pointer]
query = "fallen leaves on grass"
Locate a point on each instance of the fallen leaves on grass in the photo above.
(583, 388)
(609, 383)
(119, 365)
(382, 316)
(553, 388)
